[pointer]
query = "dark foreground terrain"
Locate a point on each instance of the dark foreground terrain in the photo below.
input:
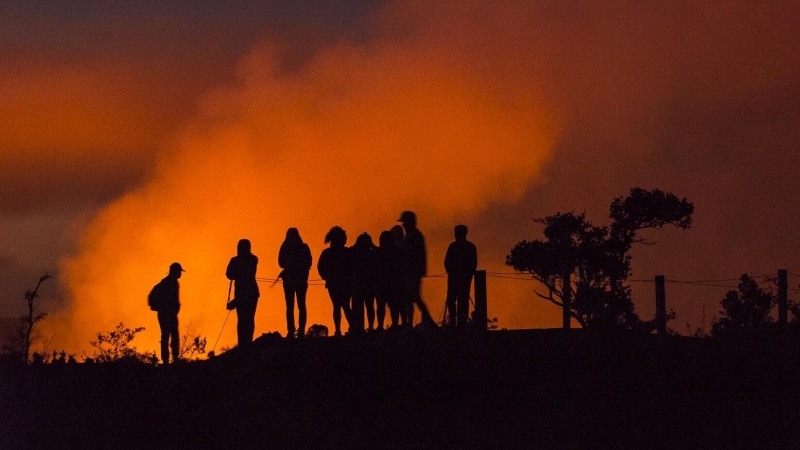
(499, 389)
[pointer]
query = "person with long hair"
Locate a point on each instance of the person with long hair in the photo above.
(294, 258)
(335, 267)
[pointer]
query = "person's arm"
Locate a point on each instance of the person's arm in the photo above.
(232, 271)
(282, 257)
(473, 258)
(448, 259)
(308, 260)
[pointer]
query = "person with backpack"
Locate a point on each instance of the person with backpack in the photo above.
(295, 259)
(164, 299)
(242, 271)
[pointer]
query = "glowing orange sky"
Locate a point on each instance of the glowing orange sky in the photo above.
(126, 147)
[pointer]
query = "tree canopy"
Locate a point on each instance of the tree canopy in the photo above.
(746, 310)
(595, 260)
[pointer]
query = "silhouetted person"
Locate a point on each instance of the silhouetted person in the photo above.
(404, 286)
(334, 266)
(414, 246)
(295, 259)
(460, 263)
(168, 305)
(364, 272)
(242, 270)
(388, 284)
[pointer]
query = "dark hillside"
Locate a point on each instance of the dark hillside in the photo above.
(500, 389)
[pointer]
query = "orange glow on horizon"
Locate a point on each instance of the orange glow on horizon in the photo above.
(354, 138)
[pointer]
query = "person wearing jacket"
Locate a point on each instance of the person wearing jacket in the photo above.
(460, 263)
(242, 271)
(295, 259)
(168, 305)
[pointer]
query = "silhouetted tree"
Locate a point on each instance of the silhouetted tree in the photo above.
(191, 345)
(746, 310)
(596, 258)
(115, 346)
(26, 335)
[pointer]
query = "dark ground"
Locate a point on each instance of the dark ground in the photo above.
(499, 389)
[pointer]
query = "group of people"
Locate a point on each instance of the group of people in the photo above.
(363, 277)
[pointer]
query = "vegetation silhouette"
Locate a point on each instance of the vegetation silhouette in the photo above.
(294, 257)
(595, 261)
(745, 310)
(115, 346)
(27, 334)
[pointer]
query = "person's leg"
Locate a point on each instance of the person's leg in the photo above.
(162, 323)
(450, 301)
(175, 342)
(288, 295)
(381, 311)
(357, 313)
(337, 313)
(423, 309)
(369, 304)
(463, 301)
(246, 312)
(302, 289)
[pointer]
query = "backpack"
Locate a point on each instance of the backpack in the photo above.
(155, 299)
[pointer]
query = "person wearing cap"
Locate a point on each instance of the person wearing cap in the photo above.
(460, 263)
(168, 307)
(417, 267)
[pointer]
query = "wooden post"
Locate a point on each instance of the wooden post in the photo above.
(783, 297)
(479, 317)
(661, 306)
(566, 298)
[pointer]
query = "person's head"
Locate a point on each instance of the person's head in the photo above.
(408, 219)
(337, 237)
(386, 239)
(292, 235)
(243, 247)
(175, 270)
(461, 232)
(398, 233)
(364, 240)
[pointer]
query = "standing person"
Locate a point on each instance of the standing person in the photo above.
(165, 299)
(295, 259)
(388, 260)
(414, 246)
(334, 266)
(242, 271)
(403, 303)
(460, 263)
(364, 272)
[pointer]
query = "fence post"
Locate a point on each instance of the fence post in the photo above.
(480, 315)
(783, 297)
(661, 306)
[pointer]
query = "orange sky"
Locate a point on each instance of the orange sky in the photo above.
(131, 138)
